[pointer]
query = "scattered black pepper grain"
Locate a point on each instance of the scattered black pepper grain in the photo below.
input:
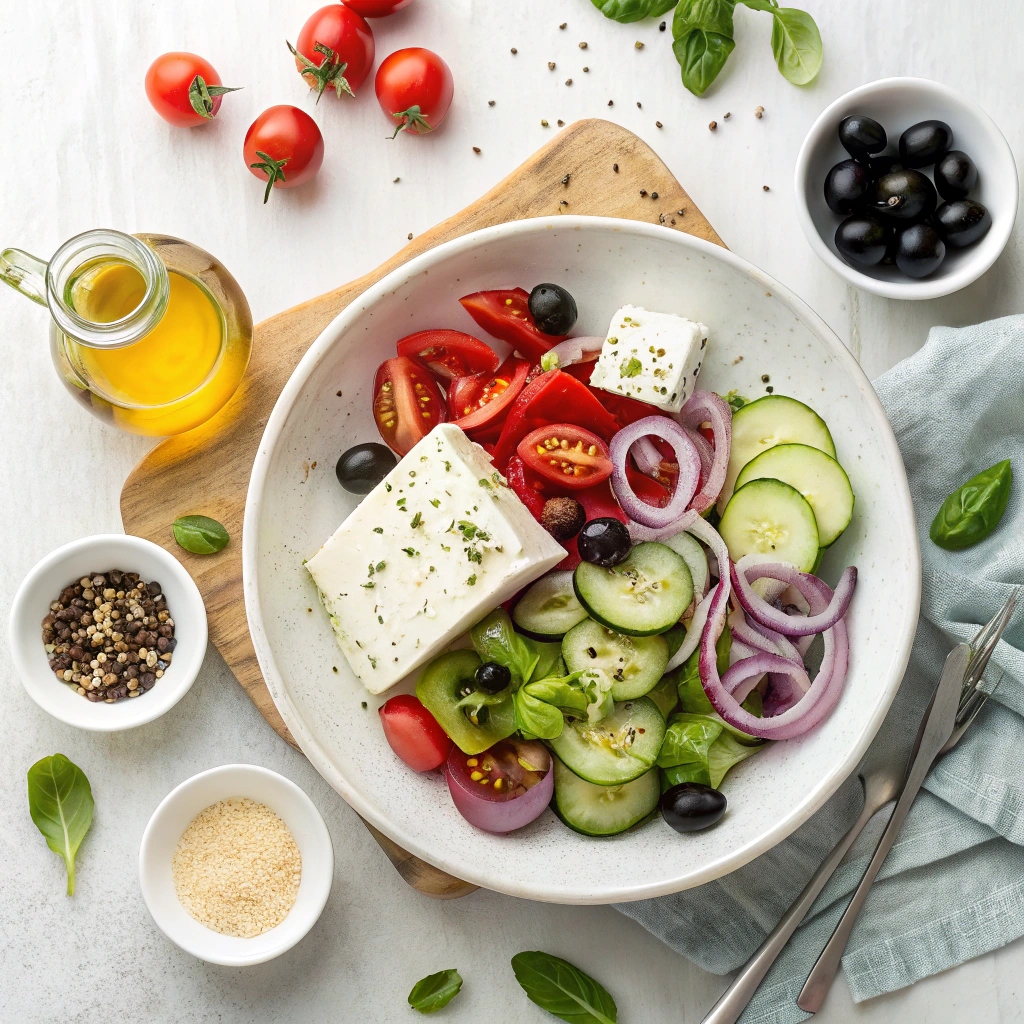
(765, 188)
(543, 124)
(586, 69)
(638, 107)
(765, 378)
(658, 124)
(681, 212)
(568, 81)
(643, 191)
(661, 27)
(310, 610)
(410, 236)
(565, 180)
(611, 103)
(615, 168)
(759, 112)
(551, 65)
(514, 50)
(339, 394)
(583, 46)
(713, 126)
(490, 103)
(396, 181)
(726, 116)
(770, 390)
(560, 123)
(654, 195)
(362, 704)
(564, 24)
(334, 669)
(563, 203)
(476, 149)
(673, 220)
(638, 45)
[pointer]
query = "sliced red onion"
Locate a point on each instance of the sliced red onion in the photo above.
(704, 450)
(743, 632)
(492, 815)
(742, 677)
(686, 483)
(647, 457)
(693, 634)
(744, 573)
(707, 407)
(570, 351)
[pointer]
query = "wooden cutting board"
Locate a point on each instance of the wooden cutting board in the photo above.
(592, 167)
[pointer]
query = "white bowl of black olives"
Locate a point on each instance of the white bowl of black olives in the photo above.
(906, 189)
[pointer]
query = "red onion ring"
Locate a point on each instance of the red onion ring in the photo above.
(686, 483)
(647, 457)
(693, 635)
(707, 407)
(574, 350)
(742, 677)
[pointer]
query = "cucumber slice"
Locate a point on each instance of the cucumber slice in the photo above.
(696, 561)
(603, 810)
(819, 478)
(645, 594)
(633, 664)
(615, 750)
(666, 695)
(768, 517)
(765, 423)
(550, 608)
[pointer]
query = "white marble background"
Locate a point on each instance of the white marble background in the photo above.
(81, 148)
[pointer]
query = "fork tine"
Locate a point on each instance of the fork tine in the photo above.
(986, 640)
(967, 715)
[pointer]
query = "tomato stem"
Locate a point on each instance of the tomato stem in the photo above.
(412, 117)
(330, 71)
(201, 96)
(273, 169)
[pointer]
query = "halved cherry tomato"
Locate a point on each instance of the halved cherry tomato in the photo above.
(567, 455)
(553, 397)
(413, 733)
(407, 403)
(335, 48)
(480, 401)
(506, 315)
(449, 354)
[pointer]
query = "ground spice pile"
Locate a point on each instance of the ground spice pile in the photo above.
(237, 868)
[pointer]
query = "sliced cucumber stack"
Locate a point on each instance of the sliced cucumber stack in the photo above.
(633, 664)
(817, 476)
(770, 518)
(644, 595)
(615, 750)
(772, 420)
(603, 810)
(550, 608)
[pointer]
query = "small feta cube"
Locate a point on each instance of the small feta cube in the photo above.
(652, 357)
(438, 544)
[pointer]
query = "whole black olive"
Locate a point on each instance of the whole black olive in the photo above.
(363, 466)
(920, 250)
(955, 175)
(925, 142)
(553, 309)
(846, 185)
(604, 542)
(879, 165)
(962, 222)
(904, 195)
(861, 136)
(691, 806)
(492, 677)
(863, 240)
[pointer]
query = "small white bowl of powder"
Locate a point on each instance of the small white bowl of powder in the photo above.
(236, 865)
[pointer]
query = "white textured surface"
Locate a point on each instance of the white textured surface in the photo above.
(71, 79)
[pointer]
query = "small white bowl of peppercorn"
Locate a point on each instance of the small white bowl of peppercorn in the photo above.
(108, 632)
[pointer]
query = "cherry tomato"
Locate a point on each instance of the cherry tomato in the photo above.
(449, 354)
(335, 48)
(283, 147)
(506, 315)
(567, 455)
(184, 89)
(376, 8)
(413, 733)
(414, 86)
(481, 402)
(407, 404)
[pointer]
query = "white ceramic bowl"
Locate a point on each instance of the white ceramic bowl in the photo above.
(897, 103)
(604, 263)
(175, 814)
(69, 564)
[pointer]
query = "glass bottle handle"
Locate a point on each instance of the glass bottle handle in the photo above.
(24, 273)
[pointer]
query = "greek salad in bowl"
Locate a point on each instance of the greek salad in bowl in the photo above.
(603, 575)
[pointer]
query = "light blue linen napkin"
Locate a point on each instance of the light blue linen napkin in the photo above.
(953, 886)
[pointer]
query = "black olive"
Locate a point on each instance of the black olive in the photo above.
(861, 136)
(863, 240)
(691, 806)
(962, 222)
(492, 677)
(363, 466)
(904, 195)
(955, 175)
(846, 185)
(925, 142)
(553, 309)
(920, 250)
(879, 165)
(604, 542)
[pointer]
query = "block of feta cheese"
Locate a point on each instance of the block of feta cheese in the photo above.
(439, 543)
(652, 357)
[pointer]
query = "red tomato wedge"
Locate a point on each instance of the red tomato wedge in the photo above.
(506, 315)
(481, 401)
(553, 397)
(413, 733)
(567, 455)
(625, 410)
(407, 403)
(449, 354)
(527, 485)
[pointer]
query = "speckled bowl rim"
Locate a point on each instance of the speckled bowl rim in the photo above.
(482, 875)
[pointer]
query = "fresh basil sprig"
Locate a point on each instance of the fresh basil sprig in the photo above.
(61, 804)
(973, 511)
(633, 10)
(200, 534)
(562, 989)
(435, 991)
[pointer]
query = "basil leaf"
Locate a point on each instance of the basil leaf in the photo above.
(713, 16)
(435, 991)
(200, 534)
(626, 11)
(760, 5)
(496, 640)
(549, 658)
(701, 56)
(60, 802)
(535, 718)
(796, 43)
(974, 510)
(560, 988)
